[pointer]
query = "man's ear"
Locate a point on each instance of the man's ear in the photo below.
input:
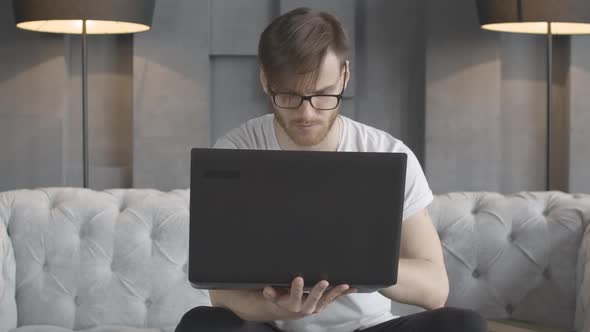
(347, 64)
(263, 80)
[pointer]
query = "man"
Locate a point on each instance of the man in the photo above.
(304, 71)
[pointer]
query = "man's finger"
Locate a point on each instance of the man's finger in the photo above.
(331, 296)
(296, 293)
(349, 291)
(314, 297)
(269, 293)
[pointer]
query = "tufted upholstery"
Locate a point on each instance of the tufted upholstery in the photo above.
(7, 276)
(583, 285)
(514, 257)
(116, 260)
(86, 259)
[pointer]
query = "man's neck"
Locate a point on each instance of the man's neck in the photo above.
(329, 143)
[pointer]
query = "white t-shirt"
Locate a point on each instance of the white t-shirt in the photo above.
(352, 311)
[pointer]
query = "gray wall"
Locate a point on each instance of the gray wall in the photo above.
(579, 82)
(470, 103)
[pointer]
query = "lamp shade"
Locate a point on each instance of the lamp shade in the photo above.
(567, 17)
(102, 16)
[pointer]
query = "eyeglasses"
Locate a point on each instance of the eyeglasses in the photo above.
(321, 102)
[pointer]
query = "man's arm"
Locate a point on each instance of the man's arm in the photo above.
(422, 277)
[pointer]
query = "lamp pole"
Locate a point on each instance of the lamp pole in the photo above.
(549, 101)
(84, 104)
(64, 16)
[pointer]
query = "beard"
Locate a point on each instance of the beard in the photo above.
(309, 136)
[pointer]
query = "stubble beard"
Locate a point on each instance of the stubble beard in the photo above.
(306, 139)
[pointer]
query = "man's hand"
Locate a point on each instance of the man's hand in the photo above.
(294, 304)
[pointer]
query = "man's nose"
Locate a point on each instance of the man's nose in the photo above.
(307, 111)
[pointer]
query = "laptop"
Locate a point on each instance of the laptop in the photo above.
(261, 218)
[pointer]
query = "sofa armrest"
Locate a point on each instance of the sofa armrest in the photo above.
(8, 312)
(582, 322)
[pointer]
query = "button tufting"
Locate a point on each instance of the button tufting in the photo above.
(45, 266)
(55, 202)
(547, 274)
(476, 274)
(148, 303)
(511, 237)
(77, 300)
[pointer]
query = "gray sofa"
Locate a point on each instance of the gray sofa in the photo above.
(76, 259)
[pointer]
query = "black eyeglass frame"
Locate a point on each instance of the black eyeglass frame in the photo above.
(310, 97)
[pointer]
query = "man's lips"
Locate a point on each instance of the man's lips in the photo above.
(305, 124)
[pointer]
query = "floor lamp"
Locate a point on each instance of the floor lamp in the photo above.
(84, 17)
(546, 17)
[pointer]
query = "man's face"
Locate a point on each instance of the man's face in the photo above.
(305, 125)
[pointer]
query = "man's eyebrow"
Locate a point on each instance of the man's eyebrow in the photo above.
(323, 90)
(317, 92)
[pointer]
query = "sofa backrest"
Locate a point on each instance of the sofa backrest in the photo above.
(514, 256)
(7, 277)
(119, 257)
(87, 258)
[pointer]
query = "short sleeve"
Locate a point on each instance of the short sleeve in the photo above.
(224, 143)
(417, 193)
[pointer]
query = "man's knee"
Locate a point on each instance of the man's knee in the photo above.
(456, 319)
(207, 319)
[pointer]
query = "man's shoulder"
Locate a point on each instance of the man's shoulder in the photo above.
(370, 139)
(248, 134)
(254, 125)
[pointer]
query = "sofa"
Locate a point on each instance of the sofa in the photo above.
(116, 260)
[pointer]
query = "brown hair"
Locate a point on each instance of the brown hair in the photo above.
(296, 43)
